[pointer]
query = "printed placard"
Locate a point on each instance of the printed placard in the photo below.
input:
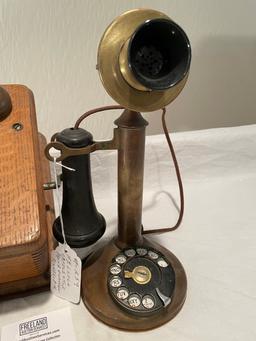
(56, 325)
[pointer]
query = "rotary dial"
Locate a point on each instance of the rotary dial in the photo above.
(140, 280)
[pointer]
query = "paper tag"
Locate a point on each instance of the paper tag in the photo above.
(66, 273)
(56, 325)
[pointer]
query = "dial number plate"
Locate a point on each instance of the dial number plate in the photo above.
(115, 269)
(134, 300)
(115, 282)
(121, 259)
(148, 302)
(122, 293)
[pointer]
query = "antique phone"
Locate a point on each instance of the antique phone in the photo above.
(131, 283)
(26, 210)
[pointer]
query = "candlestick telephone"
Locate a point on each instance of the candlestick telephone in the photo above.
(131, 283)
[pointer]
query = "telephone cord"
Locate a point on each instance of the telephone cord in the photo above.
(175, 162)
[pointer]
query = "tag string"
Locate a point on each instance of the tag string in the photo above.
(59, 200)
(66, 167)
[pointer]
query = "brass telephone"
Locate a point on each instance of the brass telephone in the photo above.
(131, 283)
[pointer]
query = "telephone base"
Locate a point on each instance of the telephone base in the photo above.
(97, 299)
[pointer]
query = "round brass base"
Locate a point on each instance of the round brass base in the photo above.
(98, 301)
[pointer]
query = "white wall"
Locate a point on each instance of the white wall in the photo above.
(51, 46)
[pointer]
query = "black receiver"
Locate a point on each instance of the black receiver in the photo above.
(83, 224)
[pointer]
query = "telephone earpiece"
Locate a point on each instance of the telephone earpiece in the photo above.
(5, 104)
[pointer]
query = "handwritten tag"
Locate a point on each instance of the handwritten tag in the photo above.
(66, 273)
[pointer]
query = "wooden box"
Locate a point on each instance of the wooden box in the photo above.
(26, 210)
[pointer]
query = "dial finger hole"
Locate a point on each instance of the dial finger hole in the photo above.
(115, 282)
(141, 251)
(161, 262)
(130, 252)
(120, 259)
(122, 293)
(115, 269)
(153, 255)
(148, 302)
(134, 300)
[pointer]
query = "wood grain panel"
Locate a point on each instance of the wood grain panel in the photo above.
(26, 212)
(20, 195)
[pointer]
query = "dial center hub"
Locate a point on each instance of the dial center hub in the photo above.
(140, 274)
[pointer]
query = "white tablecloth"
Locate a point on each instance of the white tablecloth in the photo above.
(216, 242)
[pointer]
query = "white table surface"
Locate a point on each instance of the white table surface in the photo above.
(216, 242)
